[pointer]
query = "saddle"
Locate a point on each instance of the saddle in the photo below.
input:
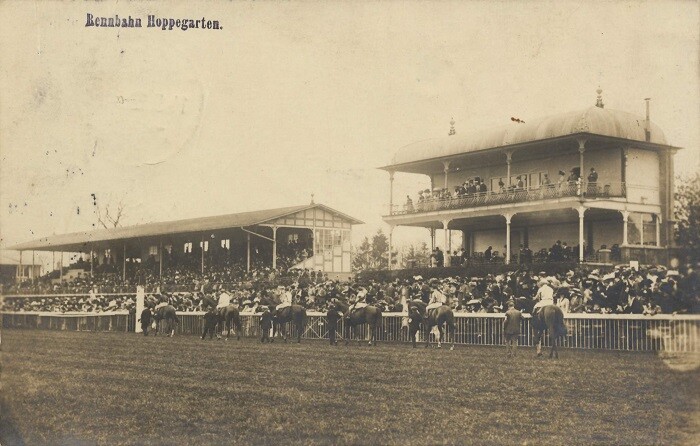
(432, 312)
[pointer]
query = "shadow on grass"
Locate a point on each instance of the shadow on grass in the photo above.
(9, 434)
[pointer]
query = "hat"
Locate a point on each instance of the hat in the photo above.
(610, 276)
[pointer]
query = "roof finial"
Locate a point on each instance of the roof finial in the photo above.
(312, 198)
(452, 127)
(599, 102)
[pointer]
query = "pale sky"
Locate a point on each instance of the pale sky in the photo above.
(294, 98)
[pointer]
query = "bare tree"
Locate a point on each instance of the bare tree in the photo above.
(109, 215)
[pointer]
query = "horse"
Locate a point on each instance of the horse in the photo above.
(295, 314)
(168, 314)
(370, 315)
(228, 317)
(435, 317)
(551, 319)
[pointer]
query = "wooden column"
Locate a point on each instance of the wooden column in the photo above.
(446, 257)
(274, 247)
(203, 254)
(509, 159)
(391, 192)
(508, 217)
(391, 240)
(581, 210)
(247, 268)
(581, 149)
(446, 170)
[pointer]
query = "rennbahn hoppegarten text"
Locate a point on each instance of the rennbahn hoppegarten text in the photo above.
(152, 21)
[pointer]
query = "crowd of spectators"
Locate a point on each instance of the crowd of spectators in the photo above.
(476, 187)
(183, 273)
(559, 252)
(648, 290)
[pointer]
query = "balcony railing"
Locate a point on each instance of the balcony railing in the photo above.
(516, 195)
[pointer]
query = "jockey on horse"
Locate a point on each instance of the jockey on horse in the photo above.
(545, 295)
(437, 299)
(286, 299)
(360, 301)
(224, 300)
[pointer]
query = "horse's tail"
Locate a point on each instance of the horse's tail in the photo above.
(303, 318)
(450, 321)
(559, 325)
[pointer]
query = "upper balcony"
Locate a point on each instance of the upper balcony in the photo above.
(441, 199)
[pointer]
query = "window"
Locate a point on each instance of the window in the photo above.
(188, 247)
(514, 180)
(292, 238)
(536, 179)
(494, 183)
(634, 229)
(337, 240)
(153, 250)
(225, 243)
(649, 229)
(205, 245)
(169, 249)
(641, 229)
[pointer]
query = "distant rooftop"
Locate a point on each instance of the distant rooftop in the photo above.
(593, 120)
(78, 241)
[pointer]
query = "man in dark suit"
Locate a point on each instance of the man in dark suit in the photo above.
(634, 305)
(145, 320)
(511, 328)
(332, 317)
(210, 319)
(265, 325)
(440, 257)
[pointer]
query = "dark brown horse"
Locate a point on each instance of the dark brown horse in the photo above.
(370, 315)
(435, 317)
(295, 314)
(551, 319)
(166, 314)
(229, 317)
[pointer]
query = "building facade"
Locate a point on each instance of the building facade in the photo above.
(535, 186)
(263, 236)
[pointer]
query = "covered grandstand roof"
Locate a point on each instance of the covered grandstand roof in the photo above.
(12, 258)
(593, 120)
(77, 241)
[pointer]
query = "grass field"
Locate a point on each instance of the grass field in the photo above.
(110, 388)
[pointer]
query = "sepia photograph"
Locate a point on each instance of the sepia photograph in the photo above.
(350, 222)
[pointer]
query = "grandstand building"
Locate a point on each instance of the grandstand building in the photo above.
(538, 186)
(13, 270)
(324, 234)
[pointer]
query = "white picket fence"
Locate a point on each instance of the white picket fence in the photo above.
(670, 333)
